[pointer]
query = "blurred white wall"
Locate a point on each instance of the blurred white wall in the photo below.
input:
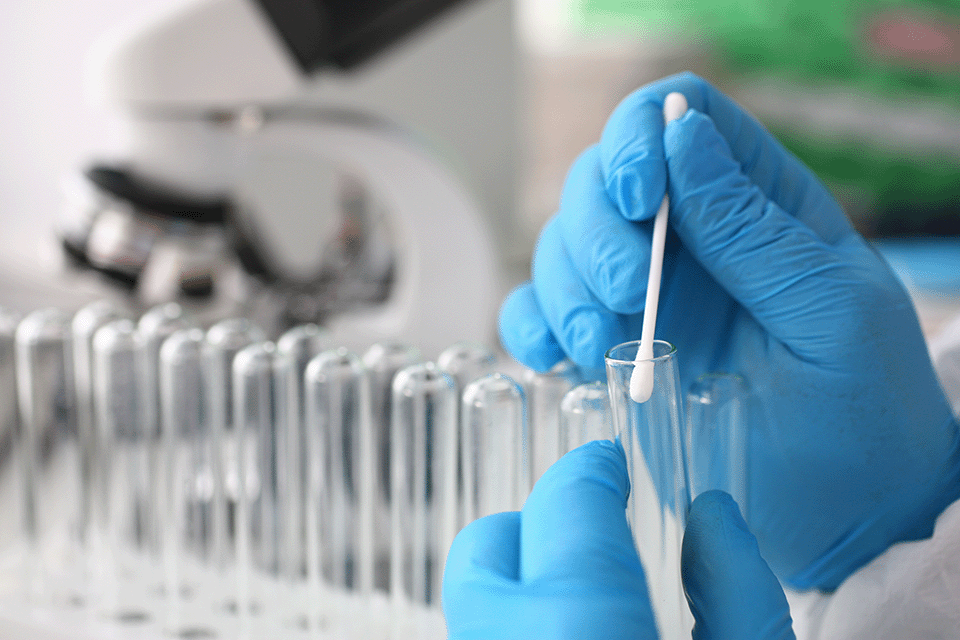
(48, 128)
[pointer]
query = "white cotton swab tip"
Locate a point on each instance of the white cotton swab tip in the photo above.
(674, 106)
(641, 380)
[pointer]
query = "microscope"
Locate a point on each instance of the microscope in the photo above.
(345, 162)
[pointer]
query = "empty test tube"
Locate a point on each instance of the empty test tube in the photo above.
(340, 490)
(494, 447)
(51, 456)
(651, 433)
(85, 324)
(717, 436)
(224, 341)
(544, 394)
(189, 544)
(11, 490)
(120, 472)
(294, 350)
(383, 360)
(257, 537)
(467, 361)
(423, 445)
(155, 326)
(585, 415)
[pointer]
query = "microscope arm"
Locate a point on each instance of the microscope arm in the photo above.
(218, 55)
(346, 33)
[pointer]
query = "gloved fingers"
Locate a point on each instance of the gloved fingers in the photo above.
(583, 326)
(481, 574)
(524, 331)
(574, 522)
(632, 156)
(611, 253)
(776, 267)
(732, 592)
(489, 546)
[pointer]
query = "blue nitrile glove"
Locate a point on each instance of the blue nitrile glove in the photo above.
(566, 567)
(563, 567)
(732, 592)
(853, 446)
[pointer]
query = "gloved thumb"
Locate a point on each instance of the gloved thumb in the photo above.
(732, 592)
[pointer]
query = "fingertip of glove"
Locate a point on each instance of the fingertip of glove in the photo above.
(637, 187)
(598, 461)
(587, 336)
(524, 332)
(622, 283)
(712, 512)
(692, 132)
(490, 543)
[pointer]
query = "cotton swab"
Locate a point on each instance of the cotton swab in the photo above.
(641, 381)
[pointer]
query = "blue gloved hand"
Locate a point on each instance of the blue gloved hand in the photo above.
(566, 566)
(732, 592)
(852, 446)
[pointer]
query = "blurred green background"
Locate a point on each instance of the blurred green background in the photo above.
(866, 93)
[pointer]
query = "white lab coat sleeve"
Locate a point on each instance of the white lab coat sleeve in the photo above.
(910, 592)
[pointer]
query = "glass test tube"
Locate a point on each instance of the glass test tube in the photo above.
(544, 393)
(717, 436)
(423, 446)
(494, 447)
(383, 360)
(85, 324)
(258, 542)
(948, 369)
(120, 473)
(224, 341)
(11, 491)
(652, 438)
(585, 415)
(189, 545)
(340, 491)
(465, 362)
(51, 457)
(155, 326)
(295, 349)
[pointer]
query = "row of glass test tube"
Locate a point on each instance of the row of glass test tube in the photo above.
(212, 483)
